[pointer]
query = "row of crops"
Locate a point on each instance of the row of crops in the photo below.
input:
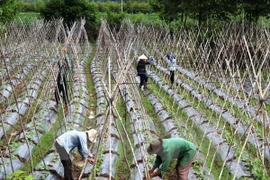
(28, 83)
(220, 100)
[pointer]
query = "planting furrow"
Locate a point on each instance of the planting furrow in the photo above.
(143, 131)
(227, 153)
(18, 77)
(12, 55)
(50, 167)
(246, 86)
(220, 92)
(15, 111)
(237, 124)
(241, 104)
(167, 122)
(19, 150)
(11, 64)
(15, 61)
(173, 131)
(109, 149)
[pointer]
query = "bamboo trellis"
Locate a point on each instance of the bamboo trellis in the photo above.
(220, 100)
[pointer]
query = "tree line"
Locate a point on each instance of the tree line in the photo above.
(207, 10)
(201, 12)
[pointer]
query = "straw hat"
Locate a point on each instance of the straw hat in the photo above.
(154, 147)
(143, 57)
(92, 135)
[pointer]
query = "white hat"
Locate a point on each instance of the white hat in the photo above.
(92, 135)
(143, 57)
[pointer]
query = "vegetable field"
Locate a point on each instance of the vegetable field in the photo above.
(220, 100)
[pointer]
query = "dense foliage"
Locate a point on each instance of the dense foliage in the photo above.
(70, 10)
(128, 7)
(207, 10)
(187, 13)
(8, 10)
(36, 6)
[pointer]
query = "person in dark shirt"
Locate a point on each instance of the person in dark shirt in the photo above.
(62, 86)
(141, 71)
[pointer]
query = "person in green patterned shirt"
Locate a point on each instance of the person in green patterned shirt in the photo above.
(168, 149)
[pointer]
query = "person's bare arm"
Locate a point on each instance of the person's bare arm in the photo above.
(158, 173)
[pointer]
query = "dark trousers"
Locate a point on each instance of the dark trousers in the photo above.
(172, 77)
(143, 79)
(61, 88)
(65, 160)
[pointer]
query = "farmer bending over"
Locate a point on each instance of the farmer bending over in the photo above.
(168, 149)
(70, 140)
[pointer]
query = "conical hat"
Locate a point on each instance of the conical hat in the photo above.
(143, 57)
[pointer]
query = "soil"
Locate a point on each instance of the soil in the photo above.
(77, 166)
(170, 173)
(2, 110)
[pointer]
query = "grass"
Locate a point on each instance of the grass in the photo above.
(124, 150)
(152, 115)
(27, 17)
(146, 19)
(90, 87)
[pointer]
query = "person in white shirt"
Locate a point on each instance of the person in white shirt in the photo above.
(172, 66)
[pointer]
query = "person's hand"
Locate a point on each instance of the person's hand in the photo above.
(151, 171)
(91, 160)
(144, 178)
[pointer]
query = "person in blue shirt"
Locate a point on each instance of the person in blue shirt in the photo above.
(66, 142)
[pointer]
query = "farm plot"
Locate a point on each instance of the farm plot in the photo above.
(228, 124)
(28, 112)
(219, 100)
(244, 118)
